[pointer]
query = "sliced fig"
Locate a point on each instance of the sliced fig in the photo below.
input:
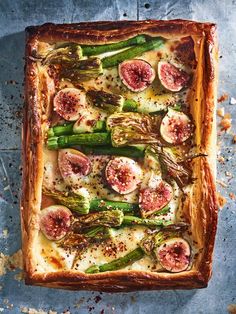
(172, 77)
(152, 199)
(72, 162)
(174, 254)
(68, 102)
(123, 174)
(176, 127)
(55, 221)
(136, 74)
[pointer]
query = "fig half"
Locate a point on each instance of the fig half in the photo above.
(55, 222)
(123, 174)
(174, 254)
(172, 77)
(68, 102)
(152, 199)
(73, 163)
(176, 127)
(136, 74)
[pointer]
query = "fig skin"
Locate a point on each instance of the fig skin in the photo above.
(72, 162)
(123, 174)
(68, 102)
(171, 77)
(151, 200)
(55, 222)
(174, 254)
(136, 74)
(176, 127)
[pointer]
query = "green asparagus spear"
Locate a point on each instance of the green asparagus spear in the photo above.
(163, 211)
(99, 233)
(103, 205)
(82, 70)
(82, 205)
(109, 218)
(114, 60)
(132, 220)
(96, 50)
(119, 263)
(59, 130)
(129, 151)
(78, 139)
(67, 129)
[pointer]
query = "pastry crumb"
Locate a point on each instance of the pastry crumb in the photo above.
(221, 200)
(221, 112)
(232, 196)
(223, 98)
(234, 139)
(3, 263)
(226, 123)
(16, 260)
(222, 183)
(19, 276)
(13, 262)
(5, 233)
(231, 308)
(221, 159)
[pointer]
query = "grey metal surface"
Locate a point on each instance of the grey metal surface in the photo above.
(14, 17)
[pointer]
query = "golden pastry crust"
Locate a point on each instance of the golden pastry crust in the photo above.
(201, 204)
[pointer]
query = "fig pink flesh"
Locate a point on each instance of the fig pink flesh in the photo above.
(153, 199)
(178, 126)
(55, 223)
(122, 176)
(67, 103)
(70, 164)
(174, 257)
(172, 78)
(136, 74)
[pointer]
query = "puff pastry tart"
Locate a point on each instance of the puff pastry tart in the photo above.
(119, 155)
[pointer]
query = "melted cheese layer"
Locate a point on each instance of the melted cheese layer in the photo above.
(49, 255)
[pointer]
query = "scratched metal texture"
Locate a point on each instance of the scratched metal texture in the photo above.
(14, 17)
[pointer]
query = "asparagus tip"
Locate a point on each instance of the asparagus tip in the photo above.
(92, 269)
(52, 142)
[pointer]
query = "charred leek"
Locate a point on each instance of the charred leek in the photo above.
(111, 218)
(82, 70)
(111, 102)
(81, 241)
(133, 128)
(64, 55)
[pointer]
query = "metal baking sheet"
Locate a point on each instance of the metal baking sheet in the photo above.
(15, 297)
